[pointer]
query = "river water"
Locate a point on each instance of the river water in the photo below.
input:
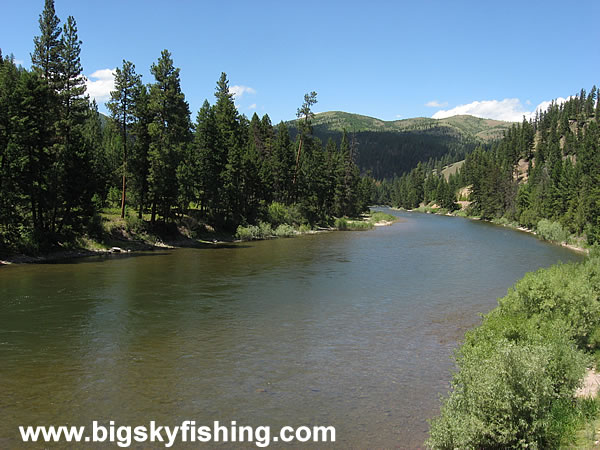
(350, 329)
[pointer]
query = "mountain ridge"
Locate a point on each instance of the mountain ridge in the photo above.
(484, 129)
(389, 148)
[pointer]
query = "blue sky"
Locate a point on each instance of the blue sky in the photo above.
(386, 59)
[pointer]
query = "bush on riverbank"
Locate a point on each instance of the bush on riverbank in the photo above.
(263, 231)
(344, 224)
(518, 371)
(380, 216)
(551, 231)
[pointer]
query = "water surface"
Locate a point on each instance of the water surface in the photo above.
(351, 329)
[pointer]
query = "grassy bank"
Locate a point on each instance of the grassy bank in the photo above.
(518, 371)
(366, 222)
(265, 230)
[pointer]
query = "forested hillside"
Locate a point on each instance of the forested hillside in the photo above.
(62, 164)
(546, 169)
(386, 149)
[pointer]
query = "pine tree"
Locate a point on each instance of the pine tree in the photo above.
(210, 165)
(32, 128)
(77, 181)
(11, 173)
(347, 181)
(304, 115)
(229, 152)
(138, 164)
(122, 105)
(283, 165)
(48, 46)
(170, 133)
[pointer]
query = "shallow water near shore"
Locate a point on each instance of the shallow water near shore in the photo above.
(350, 329)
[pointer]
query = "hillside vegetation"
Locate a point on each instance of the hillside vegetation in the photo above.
(485, 129)
(390, 148)
(543, 174)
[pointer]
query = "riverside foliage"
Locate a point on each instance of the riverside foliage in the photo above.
(61, 162)
(518, 371)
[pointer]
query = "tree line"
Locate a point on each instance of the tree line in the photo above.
(61, 162)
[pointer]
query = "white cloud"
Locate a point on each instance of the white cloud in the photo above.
(509, 109)
(238, 91)
(103, 83)
(436, 104)
(252, 106)
(19, 62)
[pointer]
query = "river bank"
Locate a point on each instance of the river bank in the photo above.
(121, 237)
(576, 247)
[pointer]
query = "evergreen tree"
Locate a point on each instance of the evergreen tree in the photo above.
(283, 165)
(170, 133)
(139, 164)
(345, 203)
(46, 56)
(210, 164)
(122, 106)
(11, 173)
(30, 136)
(77, 182)
(305, 116)
(229, 153)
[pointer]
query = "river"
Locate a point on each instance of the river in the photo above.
(350, 329)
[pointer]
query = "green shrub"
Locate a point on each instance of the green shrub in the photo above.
(248, 233)
(501, 221)
(265, 230)
(341, 224)
(528, 218)
(565, 292)
(551, 231)
(519, 369)
(506, 398)
(380, 216)
(114, 197)
(134, 225)
(304, 228)
(285, 230)
(359, 226)
(252, 232)
(278, 213)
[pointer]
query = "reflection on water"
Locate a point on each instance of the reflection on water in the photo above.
(353, 330)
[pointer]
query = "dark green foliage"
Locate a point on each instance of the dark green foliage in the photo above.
(347, 179)
(123, 107)
(210, 163)
(170, 133)
(46, 57)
